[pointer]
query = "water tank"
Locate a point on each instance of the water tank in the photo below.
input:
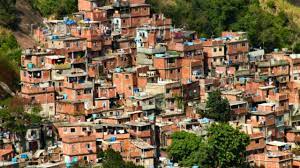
(30, 65)
(113, 139)
(65, 96)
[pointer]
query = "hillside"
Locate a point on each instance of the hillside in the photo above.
(290, 7)
(278, 21)
(27, 18)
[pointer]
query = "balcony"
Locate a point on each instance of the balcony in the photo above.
(268, 122)
(258, 99)
(279, 97)
(280, 72)
(61, 66)
(279, 111)
(34, 80)
(242, 73)
(78, 60)
(272, 63)
(240, 111)
(155, 50)
(78, 85)
(118, 136)
(35, 90)
(140, 134)
(148, 107)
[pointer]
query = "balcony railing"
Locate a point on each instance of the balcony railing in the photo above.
(155, 50)
(62, 66)
(33, 90)
(240, 111)
(148, 107)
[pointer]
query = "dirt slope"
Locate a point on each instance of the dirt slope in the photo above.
(28, 18)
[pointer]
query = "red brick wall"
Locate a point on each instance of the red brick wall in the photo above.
(84, 5)
(125, 82)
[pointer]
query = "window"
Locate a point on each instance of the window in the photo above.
(215, 49)
(136, 9)
(73, 148)
(123, 20)
(256, 141)
(126, 76)
(67, 44)
(171, 71)
(243, 44)
(85, 158)
(87, 146)
(72, 129)
(129, 87)
(295, 78)
(178, 70)
(171, 60)
(78, 92)
(220, 49)
(117, 76)
(84, 129)
(168, 91)
(87, 91)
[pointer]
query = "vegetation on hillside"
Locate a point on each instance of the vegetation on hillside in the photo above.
(55, 8)
(17, 117)
(8, 13)
(113, 159)
(225, 146)
(10, 54)
(210, 17)
(217, 108)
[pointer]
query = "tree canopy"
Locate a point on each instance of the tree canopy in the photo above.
(113, 159)
(217, 108)
(8, 15)
(186, 148)
(17, 116)
(56, 8)
(225, 146)
(10, 54)
(210, 17)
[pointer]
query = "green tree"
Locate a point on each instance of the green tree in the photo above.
(210, 17)
(8, 13)
(10, 54)
(113, 159)
(187, 149)
(217, 108)
(275, 31)
(56, 8)
(18, 115)
(226, 146)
